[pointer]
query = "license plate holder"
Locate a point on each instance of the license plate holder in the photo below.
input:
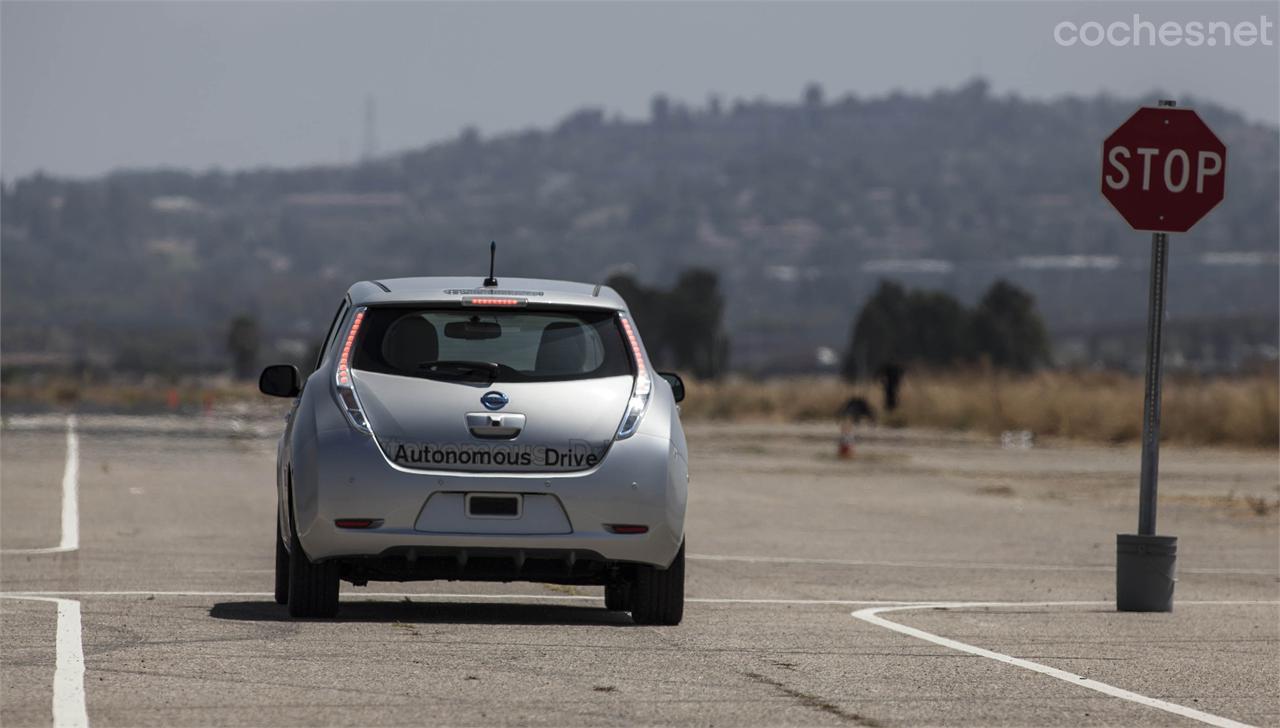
(494, 505)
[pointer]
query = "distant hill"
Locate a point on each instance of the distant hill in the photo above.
(800, 207)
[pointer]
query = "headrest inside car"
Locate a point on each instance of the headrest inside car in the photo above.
(563, 349)
(409, 342)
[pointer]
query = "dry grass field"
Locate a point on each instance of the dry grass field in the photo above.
(1097, 406)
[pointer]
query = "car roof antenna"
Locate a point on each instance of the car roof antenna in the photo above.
(493, 250)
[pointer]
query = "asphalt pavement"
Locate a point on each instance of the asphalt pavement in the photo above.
(933, 579)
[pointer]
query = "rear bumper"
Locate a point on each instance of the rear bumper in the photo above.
(342, 474)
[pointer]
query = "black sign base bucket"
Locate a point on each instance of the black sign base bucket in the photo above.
(1146, 570)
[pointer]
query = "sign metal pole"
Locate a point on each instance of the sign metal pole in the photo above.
(1154, 376)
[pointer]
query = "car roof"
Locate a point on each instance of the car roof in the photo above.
(434, 289)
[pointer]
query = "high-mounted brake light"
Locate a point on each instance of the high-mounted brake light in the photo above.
(493, 301)
(346, 390)
(639, 401)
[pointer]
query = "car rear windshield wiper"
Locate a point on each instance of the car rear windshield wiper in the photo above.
(478, 371)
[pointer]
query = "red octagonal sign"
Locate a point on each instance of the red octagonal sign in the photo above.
(1163, 169)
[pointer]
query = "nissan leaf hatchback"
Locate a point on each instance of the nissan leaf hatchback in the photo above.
(482, 433)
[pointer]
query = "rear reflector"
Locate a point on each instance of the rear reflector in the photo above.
(626, 528)
(358, 522)
(492, 301)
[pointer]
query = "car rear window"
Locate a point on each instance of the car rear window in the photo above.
(526, 345)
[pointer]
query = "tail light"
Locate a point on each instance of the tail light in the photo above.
(346, 389)
(643, 386)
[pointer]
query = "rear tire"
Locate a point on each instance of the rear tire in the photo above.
(617, 596)
(282, 567)
(657, 596)
(313, 588)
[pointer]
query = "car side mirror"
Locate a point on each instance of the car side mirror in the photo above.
(677, 384)
(280, 380)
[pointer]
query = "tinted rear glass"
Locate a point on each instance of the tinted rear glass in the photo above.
(527, 345)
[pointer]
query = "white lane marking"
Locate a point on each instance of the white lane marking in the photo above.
(71, 490)
(982, 565)
(68, 673)
(70, 499)
(871, 615)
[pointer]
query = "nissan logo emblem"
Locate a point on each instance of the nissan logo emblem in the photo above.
(494, 400)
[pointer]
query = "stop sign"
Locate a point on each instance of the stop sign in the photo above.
(1163, 169)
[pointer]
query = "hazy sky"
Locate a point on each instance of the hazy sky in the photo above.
(85, 88)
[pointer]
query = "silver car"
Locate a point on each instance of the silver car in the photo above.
(512, 432)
